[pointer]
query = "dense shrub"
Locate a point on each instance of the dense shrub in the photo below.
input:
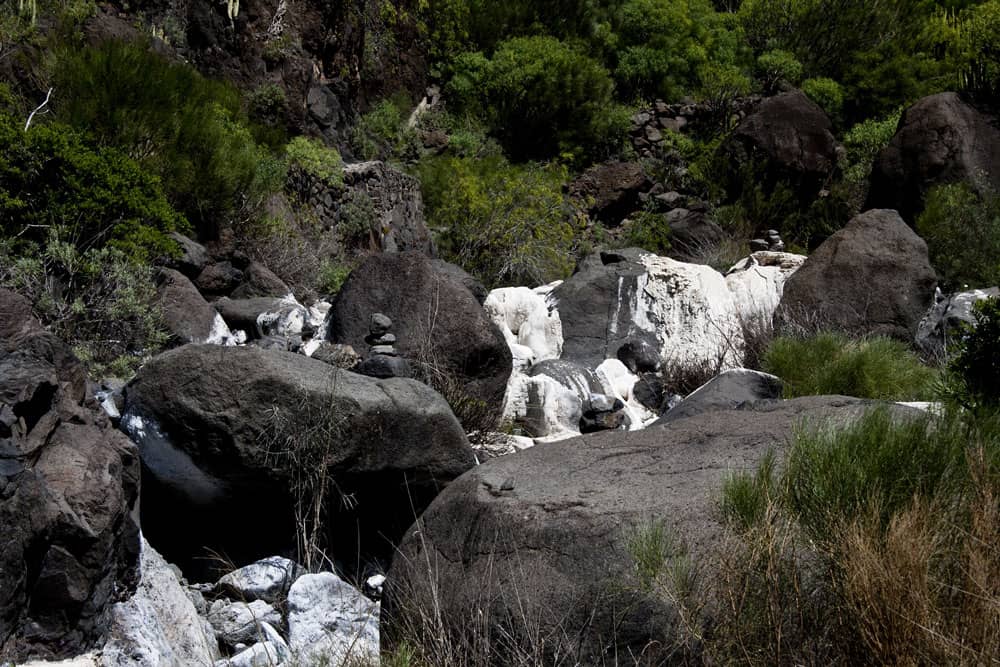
(504, 224)
(315, 159)
(181, 126)
(826, 93)
(962, 230)
(976, 364)
(49, 176)
(646, 230)
(663, 43)
(830, 363)
(776, 66)
(980, 59)
(100, 301)
(541, 97)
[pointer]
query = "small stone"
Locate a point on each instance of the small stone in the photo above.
(380, 324)
(384, 339)
(757, 245)
(653, 135)
(385, 350)
(383, 367)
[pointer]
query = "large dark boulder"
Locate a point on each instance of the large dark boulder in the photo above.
(68, 485)
(789, 139)
(438, 323)
(727, 390)
(611, 191)
(186, 314)
(871, 277)
(595, 306)
(693, 235)
(537, 543)
(940, 139)
(226, 434)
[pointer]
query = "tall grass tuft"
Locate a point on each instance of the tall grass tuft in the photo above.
(831, 363)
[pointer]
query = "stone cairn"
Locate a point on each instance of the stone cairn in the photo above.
(771, 241)
(383, 361)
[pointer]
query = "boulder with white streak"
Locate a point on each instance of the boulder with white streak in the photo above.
(330, 619)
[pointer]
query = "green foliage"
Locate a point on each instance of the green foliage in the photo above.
(663, 44)
(747, 495)
(776, 66)
(100, 301)
(357, 219)
(831, 363)
(880, 463)
(49, 176)
(504, 224)
(332, 276)
(962, 230)
(541, 97)
(980, 59)
(382, 132)
(826, 93)
(646, 230)
(864, 141)
(315, 159)
(186, 129)
(976, 363)
(883, 53)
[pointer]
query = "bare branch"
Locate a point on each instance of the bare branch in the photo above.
(37, 109)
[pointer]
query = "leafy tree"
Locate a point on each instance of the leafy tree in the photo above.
(504, 224)
(962, 230)
(663, 43)
(826, 93)
(185, 128)
(976, 363)
(541, 96)
(49, 176)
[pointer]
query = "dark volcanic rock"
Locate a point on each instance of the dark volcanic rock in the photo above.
(692, 234)
(940, 139)
(728, 390)
(539, 539)
(603, 284)
(260, 281)
(438, 322)
(613, 189)
(792, 139)
(871, 277)
(212, 424)
(186, 314)
(68, 485)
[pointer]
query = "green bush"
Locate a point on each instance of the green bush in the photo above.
(382, 133)
(100, 301)
(504, 224)
(776, 66)
(831, 363)
(962, 230)
(183, 127)
(864, 141)
(541, 97)
(646, 230)
(976, 364)
(661, 44)
(826, 93)
(315, 159)
(49, 176)
(980, 59)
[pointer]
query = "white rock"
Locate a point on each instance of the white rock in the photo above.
(239, 622)
(85, 660)
(525, 319)
(158, 625)
(261, 654)
(220, 333)
(267, 579)
(758, 281)
(942, 322)
(619, 381)
(330, 619)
